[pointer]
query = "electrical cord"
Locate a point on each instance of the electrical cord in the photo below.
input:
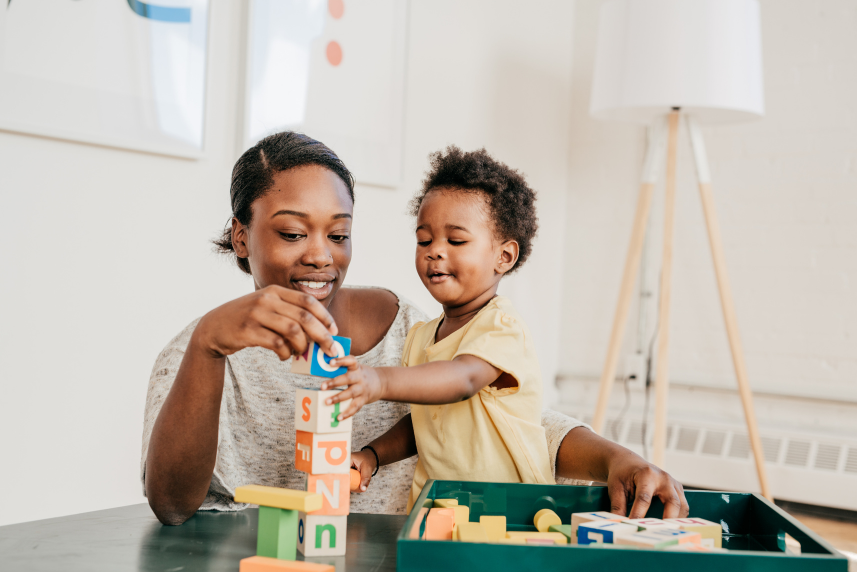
(625, 407)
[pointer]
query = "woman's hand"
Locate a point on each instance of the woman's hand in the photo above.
(632, 480)
(364, 385)
(276, 318)
(363, 461)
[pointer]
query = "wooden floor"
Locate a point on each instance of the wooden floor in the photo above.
(841, 534)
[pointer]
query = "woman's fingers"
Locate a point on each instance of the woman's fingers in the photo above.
(309, 313)
(290, 332)
(303, 319)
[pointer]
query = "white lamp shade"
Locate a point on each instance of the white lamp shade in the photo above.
(704, 56)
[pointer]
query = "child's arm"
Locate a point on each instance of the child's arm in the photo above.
(432, 383)
(393, 446)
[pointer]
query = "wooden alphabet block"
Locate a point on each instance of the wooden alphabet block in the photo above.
(439, 524)
(278, 498)
(546, 518)
(649, 523)
(314, 416)
(277, 533)
(659, 538)
(579, 518)
(263, 564)
(315, 362)
(445, 503)
(471, 532)
(335, 491)
(321, 535)
(418, 522)
(495, 526)
(603, 531)
(557, 537)
(323, 453)
(711, 532)
(461, 514)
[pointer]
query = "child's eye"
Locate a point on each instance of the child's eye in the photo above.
(292, 236)
(423, 242)
(457, 242)
(338, 238)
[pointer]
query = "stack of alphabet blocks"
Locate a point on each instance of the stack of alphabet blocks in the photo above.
(313, 521)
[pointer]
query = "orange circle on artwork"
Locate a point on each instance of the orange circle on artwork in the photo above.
(336, 8)
(334, 53)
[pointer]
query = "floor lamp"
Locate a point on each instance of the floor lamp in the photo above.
(658, 62)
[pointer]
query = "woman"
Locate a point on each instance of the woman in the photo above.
(220, 406)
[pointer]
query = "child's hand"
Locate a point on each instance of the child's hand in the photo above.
(363, 461)
(364, 385)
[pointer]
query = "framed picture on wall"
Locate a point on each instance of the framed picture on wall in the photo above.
(335, 70)
(120, 73)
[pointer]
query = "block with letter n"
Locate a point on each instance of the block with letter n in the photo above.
(321, 535)
(335, 491)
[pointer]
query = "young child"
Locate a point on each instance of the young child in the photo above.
(471, 375)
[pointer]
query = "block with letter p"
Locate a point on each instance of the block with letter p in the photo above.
(315, 362)
(323, 453)
(335, 492)
(313, 416)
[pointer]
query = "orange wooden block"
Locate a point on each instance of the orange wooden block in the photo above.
(415, 529)
(439, 524)
(334, 491)
(263, 564)
(323, 453)
(355, 479)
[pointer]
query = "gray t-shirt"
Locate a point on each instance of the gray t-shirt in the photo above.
(256, 437)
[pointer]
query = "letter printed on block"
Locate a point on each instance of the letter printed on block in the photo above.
(334, 490)
(323, 453)
(315, 362)
(321, 535)
(313, 416)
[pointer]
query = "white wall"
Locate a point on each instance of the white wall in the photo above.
(784, 189)
(108, 256)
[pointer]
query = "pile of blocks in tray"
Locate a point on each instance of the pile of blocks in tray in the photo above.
(448, 521)
(313, 521)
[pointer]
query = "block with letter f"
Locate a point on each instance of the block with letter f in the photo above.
(323, 453)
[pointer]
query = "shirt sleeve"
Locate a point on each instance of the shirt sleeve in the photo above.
(498, 339)
(557, 426)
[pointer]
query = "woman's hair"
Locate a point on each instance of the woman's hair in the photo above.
(253, 176)
(511, 202)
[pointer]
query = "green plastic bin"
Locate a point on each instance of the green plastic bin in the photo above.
(754, 531)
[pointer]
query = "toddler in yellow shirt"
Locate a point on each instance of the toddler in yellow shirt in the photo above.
(471, 375)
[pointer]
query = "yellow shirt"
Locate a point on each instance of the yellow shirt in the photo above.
(496, 435)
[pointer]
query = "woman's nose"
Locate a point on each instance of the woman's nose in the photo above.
(317, 254)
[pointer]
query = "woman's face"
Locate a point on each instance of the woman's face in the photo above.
(300, 233)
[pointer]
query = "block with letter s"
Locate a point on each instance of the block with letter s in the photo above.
(313, 416)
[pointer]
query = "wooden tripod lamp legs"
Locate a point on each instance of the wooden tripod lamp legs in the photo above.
(663, 362)
(727, 303)
(654, 155)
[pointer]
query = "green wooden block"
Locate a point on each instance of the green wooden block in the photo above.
(562, 529)
(278, 533)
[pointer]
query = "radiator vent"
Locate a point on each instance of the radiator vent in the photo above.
(827, 457)
(713, 444)
(740, 448)
(771, 446)
(851, 461)
(687, 438)
(797, 454)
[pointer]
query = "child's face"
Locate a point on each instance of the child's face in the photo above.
(459, 259)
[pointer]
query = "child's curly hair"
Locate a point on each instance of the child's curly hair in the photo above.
(511, 201)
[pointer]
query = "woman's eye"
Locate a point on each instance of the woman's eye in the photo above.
(338, 238)
(291, 236)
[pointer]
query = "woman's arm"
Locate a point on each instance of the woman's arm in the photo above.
(395, 445)
(630, 479)
(432, 383)
(183, 445)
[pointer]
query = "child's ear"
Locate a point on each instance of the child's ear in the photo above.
(507, 256)
(239, 239)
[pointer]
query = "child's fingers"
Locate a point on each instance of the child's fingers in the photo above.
(343, 395)
(349, 362)
(344, 380)
(356, 405)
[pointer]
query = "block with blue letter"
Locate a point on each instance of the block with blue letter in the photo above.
(320, 535)
(315, 362)
(604, 531)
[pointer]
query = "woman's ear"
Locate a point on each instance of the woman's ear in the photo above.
(239, 239)
(507, 256)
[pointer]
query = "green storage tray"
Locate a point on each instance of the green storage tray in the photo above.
(754, 532)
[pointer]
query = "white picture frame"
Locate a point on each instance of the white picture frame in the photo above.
(118, 73)
(334, 70)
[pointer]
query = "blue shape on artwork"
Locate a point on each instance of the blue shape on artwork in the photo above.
(160, 13)
(320, 361)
